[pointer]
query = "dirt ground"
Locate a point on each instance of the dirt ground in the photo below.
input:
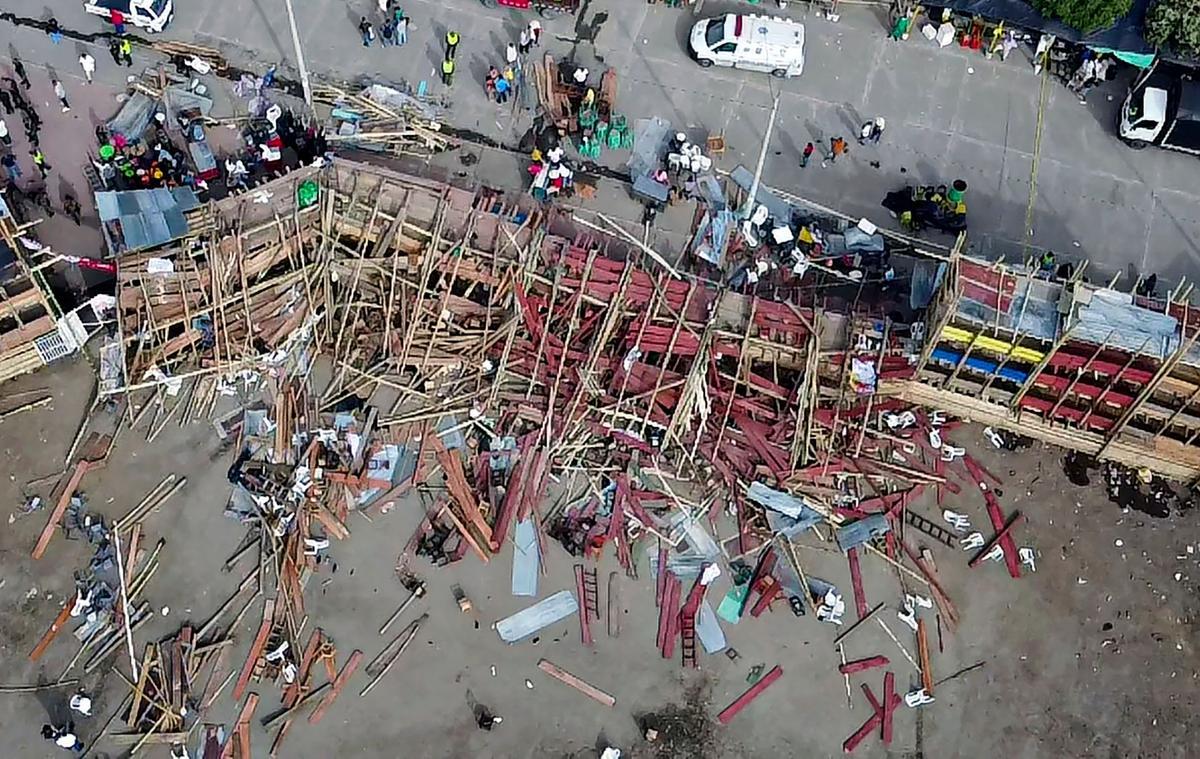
(1093, 655)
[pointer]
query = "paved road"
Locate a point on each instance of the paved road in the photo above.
(951, 114)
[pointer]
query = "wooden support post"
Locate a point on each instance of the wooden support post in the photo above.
(1013, 521)
(81, 468)
(923, 657)
(239, 735)
(587, 689)
(256, 648)
(860, 596)
(754, 691)
(339, 683)
(52, 632)
(861, 665)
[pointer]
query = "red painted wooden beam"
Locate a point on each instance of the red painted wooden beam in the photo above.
(860, 596)
(753, 692)
(860, 665)
(872, 722)
(890, 700)
(1016, 519)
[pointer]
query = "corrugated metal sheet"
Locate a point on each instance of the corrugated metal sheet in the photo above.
(147, 218)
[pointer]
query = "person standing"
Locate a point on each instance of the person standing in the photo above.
(502, 88)
(807, 154)
(489, 84)
(401, 28)
(5, 137)
(451, 44)
(64, 737)
(837, 146)
(535, 31)
(871, 131)
(39, 160)
(54, 30)
(387, 32)
(118, 21)
(114, 49)
(80, 702)
(60, 92)
(11, 167)
(510, 54)
(448, 72)
(126, 51)
(525, 41)
(367, 31)
(6, 100)
(19, 69)
(88, 64)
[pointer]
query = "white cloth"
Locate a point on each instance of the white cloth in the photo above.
(3, 128)
(82, 704)
(66, 740)
(580, 75)
(59, 90)
(510, 53)
(88, 63)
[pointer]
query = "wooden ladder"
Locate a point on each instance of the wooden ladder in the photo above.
(932, 529)
(587, 587)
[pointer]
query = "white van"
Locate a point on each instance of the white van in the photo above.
(755, 43)
(151, 15)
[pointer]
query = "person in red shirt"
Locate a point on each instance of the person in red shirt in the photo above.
(118, 20)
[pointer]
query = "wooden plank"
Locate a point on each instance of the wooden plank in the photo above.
(292, 693)
(139, 690)
(334, 526)
(260, 640)
(872, 722)
(81, 468)
(243, 720)
(856, 582)
(1013, 521)
(586, 688)
(52, 632)
(889, 705)
(923, 658)
(338, 683)
(860, 665)
(753, 692)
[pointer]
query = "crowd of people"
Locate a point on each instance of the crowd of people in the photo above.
(393, 29)
(500, 84)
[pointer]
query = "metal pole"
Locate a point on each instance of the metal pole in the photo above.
(762, 157)
(308, 99)
(125, 604)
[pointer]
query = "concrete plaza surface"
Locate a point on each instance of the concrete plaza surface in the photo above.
(950, 113)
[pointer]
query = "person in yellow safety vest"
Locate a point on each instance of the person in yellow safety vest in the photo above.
(448, 72)
(126, 52)
(451, 44)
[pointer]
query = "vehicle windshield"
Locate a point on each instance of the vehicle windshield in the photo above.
(715, 32)
(158, 7)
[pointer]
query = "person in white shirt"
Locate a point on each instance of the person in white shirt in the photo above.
(88, 63)
(60, 92)
(5, 137)
(82, 704)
